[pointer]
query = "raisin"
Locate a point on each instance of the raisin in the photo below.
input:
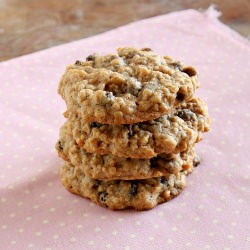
(95, 125)
(60, 145)
(133, 189)
(90, 58)
(102, 196)
(190, 71)
(78, 62)
(96, 184)
(196, 161)
(186, 115)
(163, 180)
(154, 162)
(146, 49)
(180, 96)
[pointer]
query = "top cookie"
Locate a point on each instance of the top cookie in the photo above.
(129, 87)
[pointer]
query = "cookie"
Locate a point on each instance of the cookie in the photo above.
(110, 167)
(128, 87)
(168, 134)
(120, 194)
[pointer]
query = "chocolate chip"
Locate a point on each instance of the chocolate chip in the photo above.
(190, 71)
(133, 189)
(90, 58)
(78, 62)
(95, 125)
(146, 49)
(60, 145)
(109, 95)
(196, 161)
(102, 196)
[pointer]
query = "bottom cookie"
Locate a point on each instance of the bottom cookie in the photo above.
(121, 194)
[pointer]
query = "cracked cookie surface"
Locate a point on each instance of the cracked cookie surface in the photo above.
(110, 167)
(128, 87)
(122, 194)
(171, 133)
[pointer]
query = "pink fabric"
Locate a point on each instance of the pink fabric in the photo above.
(212, 213)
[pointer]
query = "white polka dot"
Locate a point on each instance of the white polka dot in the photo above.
(214, 221)
(174, 229)
(197, 219)
(30, 245)
(62, 224)
(38, 233)
(218, 209)
(183, 204)
(3, 226)
(28, 218)
(55, 236)
(193, 231)
(211, 234)
(3, 199)
(120, 219)
(127, 248)
(72, 239)
(91, 242)
(156, 226)
(160, 214)
(13, 242)
(230, 236)
(169, 241)
(138, 223)
(85, 215)
(12, 215)
(20, 230)
(36, 206)
(151, 238)
(188, 244)
(114, 232)
(42, 195)
(207, 247)
(52, 209)
(59, 197)
(97, 229)
(132, 235)
(237, 212)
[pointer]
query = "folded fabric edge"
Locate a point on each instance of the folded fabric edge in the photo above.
(213, 14)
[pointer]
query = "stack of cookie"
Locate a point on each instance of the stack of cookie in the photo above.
(132, 123)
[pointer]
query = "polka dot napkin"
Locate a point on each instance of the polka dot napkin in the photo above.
(36, 212)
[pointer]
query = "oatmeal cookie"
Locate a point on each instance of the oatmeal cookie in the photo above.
(172, 133)
(120, 194)
(128, 87)
(110, 167)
